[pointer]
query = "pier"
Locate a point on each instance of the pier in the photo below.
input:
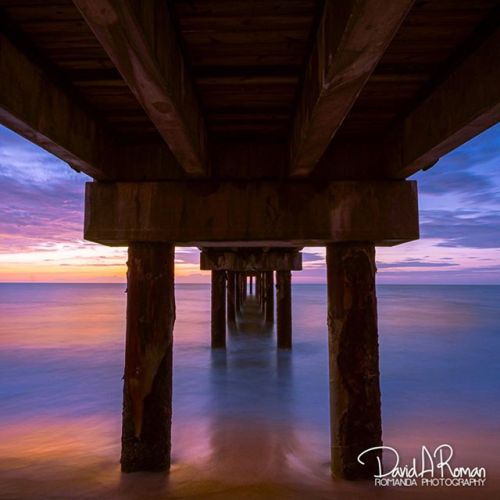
(250, 130)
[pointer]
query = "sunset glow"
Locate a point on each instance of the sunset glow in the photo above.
(41, 223)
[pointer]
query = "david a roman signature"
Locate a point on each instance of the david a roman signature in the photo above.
(433, 469)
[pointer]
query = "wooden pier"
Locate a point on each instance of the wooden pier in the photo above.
(250, 129)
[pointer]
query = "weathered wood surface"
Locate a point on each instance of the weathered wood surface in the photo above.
(295, 213)
(250, 259)
(463, 105)
(38, 108)
(57, 32)
(351, 38)
(218, 308)
(354, 360)
(141, 41)
(147, 390)
(247, 60)
(432, 39)
(284, 309)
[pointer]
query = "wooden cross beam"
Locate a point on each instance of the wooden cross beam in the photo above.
(351, 38)
(259, 213)
(250, 259)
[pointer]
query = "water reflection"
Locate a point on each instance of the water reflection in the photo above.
(249, 422)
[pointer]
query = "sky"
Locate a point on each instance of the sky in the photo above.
(41, 224)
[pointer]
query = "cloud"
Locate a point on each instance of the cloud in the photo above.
(459, 182)
(471, 229)
(187, 256)
(413, 263)
(468, 173)
(41, 218)
(41, 197)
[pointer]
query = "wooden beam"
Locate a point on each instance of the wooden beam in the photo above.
(39, 108)
(463, 105)
(259, 213)
(250, 259)
(351, 38)
(140, 40)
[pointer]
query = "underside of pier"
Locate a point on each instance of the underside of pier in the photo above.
(250, 129)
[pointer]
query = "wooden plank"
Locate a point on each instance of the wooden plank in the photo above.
(258, 213)
(244, 23)
(140, 40)
(255, 8)
(37, 107)
(351, 38)
(249, 160)
(463, 105)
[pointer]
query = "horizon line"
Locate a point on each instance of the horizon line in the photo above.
(208, 284)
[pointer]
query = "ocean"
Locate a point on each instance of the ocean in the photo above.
(248, 422)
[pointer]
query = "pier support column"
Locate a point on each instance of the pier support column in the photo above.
(244, 286)
(262, 291)
(231, 297)
(269, 296)
(251, 285)
(284, 309)
(218, 309)
(147, 388)
(354, 362)
(237, 289)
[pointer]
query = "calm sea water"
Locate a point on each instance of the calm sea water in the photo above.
(250, 422)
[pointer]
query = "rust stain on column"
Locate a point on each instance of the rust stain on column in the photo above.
(354, 362)
(147, 393)
(218, 309)
(284, 309)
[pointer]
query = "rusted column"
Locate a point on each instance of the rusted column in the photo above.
(269, 294)
(231, 298)
(284, 309)
(218, 309)
(147, 388)
(354, 366)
